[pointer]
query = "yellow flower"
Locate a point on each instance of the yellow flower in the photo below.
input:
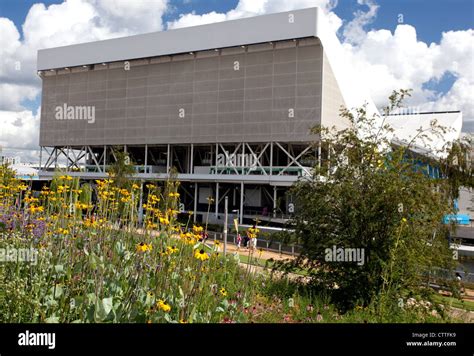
(197, 229)
(201, 255)
(171, 249)
(143, 247)
(154, 198)
(151, 225)
(163, 305)
(135, 186)
(81, 206)
(173, 195)
(404, 220)
(164, 221)
(252, 232)
(34, 209)
(88, 222)
(172, 212)
(189, 238)
(223, 292)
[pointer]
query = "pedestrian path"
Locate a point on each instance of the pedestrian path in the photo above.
(258, 253)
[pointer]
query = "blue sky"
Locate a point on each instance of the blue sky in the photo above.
(430, 17)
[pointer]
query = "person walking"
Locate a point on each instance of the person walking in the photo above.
(252, 236)
(253, 242)
(239, 241)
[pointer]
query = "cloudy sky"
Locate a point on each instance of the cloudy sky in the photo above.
(425, 45)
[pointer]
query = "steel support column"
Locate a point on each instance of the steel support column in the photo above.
(274, 201)
(195, 200)
(217, 199)
(146, 158)
(241, 201)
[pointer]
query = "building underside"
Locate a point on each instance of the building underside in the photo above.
(256, 177)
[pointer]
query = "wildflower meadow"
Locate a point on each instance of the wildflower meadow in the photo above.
(76, 252)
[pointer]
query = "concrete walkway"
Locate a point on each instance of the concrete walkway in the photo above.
(257, 253)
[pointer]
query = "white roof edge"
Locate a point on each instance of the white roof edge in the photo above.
(257, 29)
(406, 126)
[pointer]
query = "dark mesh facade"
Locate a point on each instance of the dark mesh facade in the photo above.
(146, 104)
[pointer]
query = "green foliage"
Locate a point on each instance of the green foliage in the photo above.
(370, 195)
(457, 166)
(122, 169)
(102, 267)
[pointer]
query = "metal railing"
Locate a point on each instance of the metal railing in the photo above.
(264, 244)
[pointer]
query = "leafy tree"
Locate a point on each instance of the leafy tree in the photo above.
(122, 169)
(371, 195)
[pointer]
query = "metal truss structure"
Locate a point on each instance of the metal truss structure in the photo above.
(223, 168)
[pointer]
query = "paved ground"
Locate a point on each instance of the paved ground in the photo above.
(263, 254)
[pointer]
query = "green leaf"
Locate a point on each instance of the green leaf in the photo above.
(52, 320)
(56, 291)
(91, 297)
(104, 307)
(59, 269)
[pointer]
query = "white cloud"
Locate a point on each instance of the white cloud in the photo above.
(73, 21)
(399, 60)
(354, 31)
(247, 8)
(12, 94)
(131, 16)
(20, 130)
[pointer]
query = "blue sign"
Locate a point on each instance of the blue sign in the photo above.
(461, 219)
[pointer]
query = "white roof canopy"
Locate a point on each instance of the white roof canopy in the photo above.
(407, 130)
